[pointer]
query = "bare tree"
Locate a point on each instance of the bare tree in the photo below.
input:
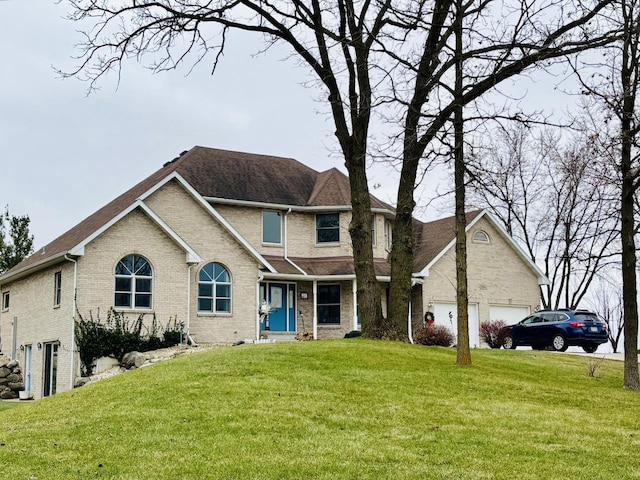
(551, 199)
(613, 82)
(606, 300)
(365, 55)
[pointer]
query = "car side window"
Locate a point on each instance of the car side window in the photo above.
(549, 317)
(532, 319)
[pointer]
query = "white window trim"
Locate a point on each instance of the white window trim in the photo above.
(6, 300)
(57, 289)
(214, 312)
(486, 240)
(279, 216)
(322, 244)
(133, 307)
(330, 325)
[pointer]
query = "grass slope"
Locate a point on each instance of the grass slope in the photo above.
(335, 409)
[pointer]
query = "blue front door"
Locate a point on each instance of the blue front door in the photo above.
(281, 299)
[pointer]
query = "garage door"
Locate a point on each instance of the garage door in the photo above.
(447, 314)
(509, 314)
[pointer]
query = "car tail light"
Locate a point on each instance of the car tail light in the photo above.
(577, 324)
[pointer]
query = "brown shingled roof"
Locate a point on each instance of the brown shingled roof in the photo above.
(431, 238)
(217, 174)
(325, 265)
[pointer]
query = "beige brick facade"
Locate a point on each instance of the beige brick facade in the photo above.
(497, 276)
(39, 322)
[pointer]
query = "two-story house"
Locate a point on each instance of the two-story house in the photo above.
(215, 235)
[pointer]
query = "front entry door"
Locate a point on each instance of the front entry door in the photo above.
(281, 298)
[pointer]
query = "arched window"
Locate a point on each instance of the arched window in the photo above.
(214, 289)
(480, 236)
(134, 278)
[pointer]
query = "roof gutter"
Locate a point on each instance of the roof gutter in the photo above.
(47, 262)
(280, 206)
(306, 277)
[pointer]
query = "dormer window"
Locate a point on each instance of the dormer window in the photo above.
(480, 236)
(327, 228)
(272, 227)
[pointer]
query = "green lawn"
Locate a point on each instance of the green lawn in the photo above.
(351, 409)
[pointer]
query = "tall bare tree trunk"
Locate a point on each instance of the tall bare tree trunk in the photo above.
(629, 77)
(464, 353)
(368, 290)
(629, 288)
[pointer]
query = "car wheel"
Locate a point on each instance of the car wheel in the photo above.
(558, 343)
(508, 343)
(590, 348)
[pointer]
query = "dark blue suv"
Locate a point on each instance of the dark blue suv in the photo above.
(557, 329)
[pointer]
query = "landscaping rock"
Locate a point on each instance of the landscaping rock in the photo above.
(80, 381)
(8, 394)
(133, 360)
(16, 386)
(4, 371)
(12, 364)
(14, 377)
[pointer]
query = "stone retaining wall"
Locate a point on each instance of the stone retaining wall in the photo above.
(11, 381)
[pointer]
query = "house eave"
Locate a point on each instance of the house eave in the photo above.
(36, 267)
(293, 208)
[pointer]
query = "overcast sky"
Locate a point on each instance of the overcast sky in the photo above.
(64, 155)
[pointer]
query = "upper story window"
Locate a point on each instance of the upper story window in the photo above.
(5, 300)
(272, 227)
(214, 289)
(134, 279)
(388, 234)
(480, 236)
(57, 288)
(327, 228)
(373, 230)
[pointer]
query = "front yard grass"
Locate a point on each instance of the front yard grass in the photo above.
(351, 409)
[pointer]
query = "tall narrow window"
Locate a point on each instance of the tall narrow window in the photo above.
(373, 230)
(329, 304)
(57, 288)
(5, 300)
(327, 228)
(388, 234)
(272, 227)
(134, 278)
(214, 289)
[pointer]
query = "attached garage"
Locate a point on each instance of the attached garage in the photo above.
(447, 314)
(509, 314)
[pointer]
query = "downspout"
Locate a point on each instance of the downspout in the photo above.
(188, 323)
(260, 279)
(409, 326)
(73, 316)
(315, 309)
(286, 243)
(354, 290)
